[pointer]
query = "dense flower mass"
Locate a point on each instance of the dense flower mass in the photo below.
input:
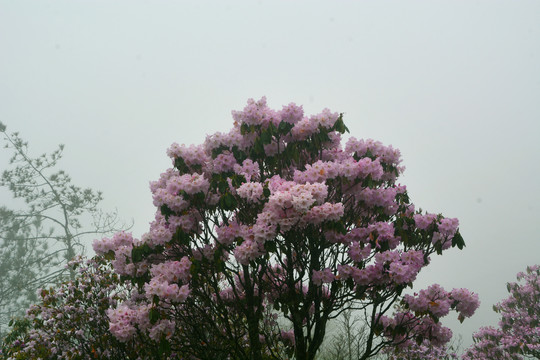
(277, 217)
(71, 321)
(518, 334)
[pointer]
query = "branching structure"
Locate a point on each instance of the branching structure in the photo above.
(41, 236)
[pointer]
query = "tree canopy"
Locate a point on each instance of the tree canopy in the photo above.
(264, 234)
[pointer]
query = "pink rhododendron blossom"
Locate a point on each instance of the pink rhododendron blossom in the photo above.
(121, 324)
(191, 184)
(224, 162)
(105, 245)
(423, 221)
(448, 227)
(168, 292)
(191, 155)
(173, 271)
(324, 276)
(292, 113)
(467, 302)
(247, 251)
(249, 169)
(255, 113)
(251, 191)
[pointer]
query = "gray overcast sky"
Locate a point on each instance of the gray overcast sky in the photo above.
(455, 85)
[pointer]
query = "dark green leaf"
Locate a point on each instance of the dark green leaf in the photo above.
(270, 246)
(137, 254)
(227, 201)
(239, 155)
(285, 127)
(266, 138)
(323, 135)
(164, 348)
(238, 180)
(181, 237)
(223, 186)
(166, 211)
(180, 164)
(458, 241)
(438, 248)
(109, 255)
(198, 198)
(339, 125)
(258, 147)
(220, 265)
(272, 129)
(244, 129)
(218, 150)
(195, 267)
(153, 315)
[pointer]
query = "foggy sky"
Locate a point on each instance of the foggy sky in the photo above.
(455, 85)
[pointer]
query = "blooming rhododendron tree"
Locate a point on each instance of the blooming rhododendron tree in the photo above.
(265, 233)
(71, 322)
(518, 335)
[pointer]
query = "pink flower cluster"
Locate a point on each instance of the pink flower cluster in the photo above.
(122, 322)
(256, 113)
(162, 328)
(190, 183)
(438, 302)
(323, 276)
(417, 327)
(467, 302)
(248, 251)
(390, 267)
(122, 261)
(292, 113)
(307, 127)
(349, 168)
(121, 245)
(166, 291)
(384, 198)
(386, 154)
(192, 155)
(229, 140)
(160, 232)
(224, 162)
(324, 212)
(103, 246)
(161, 195)
(292, 204)
(424, 350)
(423, 221)
(251, 191)
(173, 271)
(358, 252)
(249, 169)
(288, 337)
